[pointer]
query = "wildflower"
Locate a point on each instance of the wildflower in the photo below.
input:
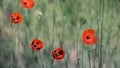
(58, 54)
(28, 3)
(16, 18)
(36, 44)
(89, 37)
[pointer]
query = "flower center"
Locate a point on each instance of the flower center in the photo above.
(35, 45)
(88, 37)
(59, 53)
(25, 3)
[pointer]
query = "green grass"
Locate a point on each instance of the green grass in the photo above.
(58, 25)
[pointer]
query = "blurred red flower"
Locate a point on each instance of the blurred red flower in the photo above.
(58, 54)
(28, 3)
(16, 18)
(36, 44)
(89, 37)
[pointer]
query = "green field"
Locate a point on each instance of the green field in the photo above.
(61, 24)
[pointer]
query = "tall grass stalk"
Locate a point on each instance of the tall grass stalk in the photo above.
(101, 40)
(50, 43)
(77, 37)
(62, 37)
(35, 59)
(13, 48)
(115, 46)
(83, 55)
(78, 46)
(53, 27)
(41, 65)
(36, 35)
(97, 45)
(89, 58)
(52, 63)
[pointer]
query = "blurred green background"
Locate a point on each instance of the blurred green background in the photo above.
(58, 25)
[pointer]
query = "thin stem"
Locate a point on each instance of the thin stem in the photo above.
(11, 24)
(14, 48)
(47, 28)
(115, 64)
(95, 56)
(97, 45)
(78, 46)
(40, 59)
(102, 18)
(61, 40)
(89, 59)
(66, 63)
(35, 59)
(82, 54)
(54, 21)
(52, 63)
(13, 54)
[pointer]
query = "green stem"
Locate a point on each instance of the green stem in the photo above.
(102, 18)
(89, 58)
(97, 45)
(48, 28)
(66, 63)
(82, 54)
(52, 42)
(78, 46)
(62, 38)
(52, 63)
(95, 56)
(11, 24)
(14, 48)
(41, 66)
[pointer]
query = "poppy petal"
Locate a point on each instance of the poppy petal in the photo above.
(28, 3)
(88, 37)
(16, 18)
(58, 54)
(95, 40)
(36, 44)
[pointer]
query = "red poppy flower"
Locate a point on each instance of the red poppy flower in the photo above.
(16, 18)
(58, 54)
(36, 44)
(89, 37)
(28, 3)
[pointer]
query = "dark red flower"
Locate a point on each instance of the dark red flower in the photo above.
(36, 44)
(28, 3)
(16, 18)
(89, 37)
(58, 54)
